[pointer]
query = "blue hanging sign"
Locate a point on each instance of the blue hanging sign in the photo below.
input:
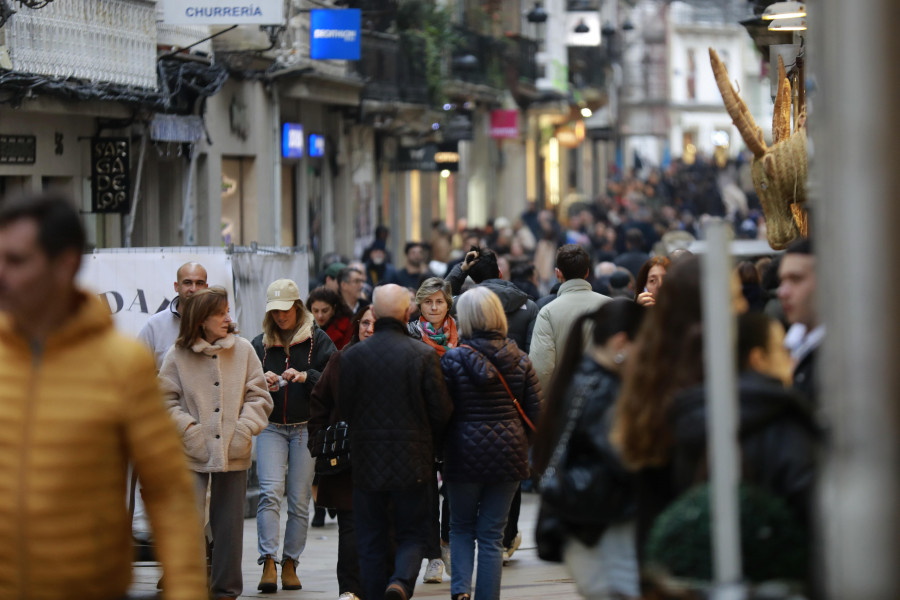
(334, 34)
(316, 145)
(292, 140)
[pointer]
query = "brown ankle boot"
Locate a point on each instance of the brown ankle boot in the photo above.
(289, 579)
(268, 583)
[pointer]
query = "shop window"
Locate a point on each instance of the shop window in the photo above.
(239, 215)
(288, 227)
(691, 74)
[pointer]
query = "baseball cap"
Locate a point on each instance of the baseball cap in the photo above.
(333, 269)
(281, 295)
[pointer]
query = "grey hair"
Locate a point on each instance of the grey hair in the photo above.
(432, 285)
(480, 309)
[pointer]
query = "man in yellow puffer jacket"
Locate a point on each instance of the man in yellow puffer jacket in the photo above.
(79, 401)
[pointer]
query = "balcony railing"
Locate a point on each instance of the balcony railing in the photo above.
(393, 68)
(587, 66)
(526, 63)
(477, 58)
(113, 41)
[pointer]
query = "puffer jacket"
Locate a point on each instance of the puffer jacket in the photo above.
(310, 349)
(395, 401)
(487, 440)
(778, 437)
(216, 393)
(76, 411)
(521, 311)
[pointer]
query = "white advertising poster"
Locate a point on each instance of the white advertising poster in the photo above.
(136, 285)
(221, 12)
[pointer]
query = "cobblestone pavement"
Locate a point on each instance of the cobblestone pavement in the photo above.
(525, 577)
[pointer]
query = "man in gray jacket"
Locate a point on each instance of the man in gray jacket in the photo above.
(575, 298)
(161, 330)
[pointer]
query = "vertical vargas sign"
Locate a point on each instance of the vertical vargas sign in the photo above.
(221, 12)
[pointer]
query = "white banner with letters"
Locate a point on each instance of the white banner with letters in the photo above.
(136, 285)
(221, 12)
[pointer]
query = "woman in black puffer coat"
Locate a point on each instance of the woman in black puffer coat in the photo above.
(486, 444)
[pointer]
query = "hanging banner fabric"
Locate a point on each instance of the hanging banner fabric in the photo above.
(137, 285)
(221, 12)
(253, 272)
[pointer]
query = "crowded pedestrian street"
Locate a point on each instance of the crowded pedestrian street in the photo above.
(458, 299)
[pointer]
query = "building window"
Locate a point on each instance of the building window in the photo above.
(691, 74)
(239, 217)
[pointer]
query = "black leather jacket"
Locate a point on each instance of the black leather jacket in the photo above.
(597, 489)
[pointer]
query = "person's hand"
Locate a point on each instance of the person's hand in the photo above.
(294, 375)
(470, 259)
(646, 299)
(271, 381)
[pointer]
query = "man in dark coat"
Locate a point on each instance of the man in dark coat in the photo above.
(635, 255)
(397, 407)
(521, 311)
(797, 293)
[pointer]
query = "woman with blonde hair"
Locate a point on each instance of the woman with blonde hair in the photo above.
(215, 391)
(293, 353)
(486, 442)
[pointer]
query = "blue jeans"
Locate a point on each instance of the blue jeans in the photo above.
(374, 512)
(280, 449)
(478, 512)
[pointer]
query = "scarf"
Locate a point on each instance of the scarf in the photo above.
(442, 339)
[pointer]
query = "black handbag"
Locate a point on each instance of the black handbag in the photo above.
(332, 449)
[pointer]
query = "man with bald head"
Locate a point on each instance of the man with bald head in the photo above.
(394, 399)
(161, 330)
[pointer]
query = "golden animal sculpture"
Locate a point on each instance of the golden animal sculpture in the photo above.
(779, 171)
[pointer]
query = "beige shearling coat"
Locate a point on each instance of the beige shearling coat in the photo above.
(218, 397)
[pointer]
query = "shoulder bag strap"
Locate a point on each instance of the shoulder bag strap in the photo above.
(505, 385)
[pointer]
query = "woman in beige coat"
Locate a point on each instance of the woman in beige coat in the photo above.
(215, 390)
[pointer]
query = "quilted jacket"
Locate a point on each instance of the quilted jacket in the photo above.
(397, 406)
(76, 411)
(487, 440)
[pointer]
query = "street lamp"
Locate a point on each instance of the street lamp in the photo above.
(537, 15)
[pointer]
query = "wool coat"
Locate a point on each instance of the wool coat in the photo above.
(216, 393)
(335, 490)
(395, 401)
(77, 410)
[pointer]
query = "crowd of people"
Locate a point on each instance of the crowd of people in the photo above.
(423, 398)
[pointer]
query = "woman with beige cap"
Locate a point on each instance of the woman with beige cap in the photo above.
(293, 352)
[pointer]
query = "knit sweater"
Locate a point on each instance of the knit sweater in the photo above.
(217, 395)
(76, 411)
(161, 330)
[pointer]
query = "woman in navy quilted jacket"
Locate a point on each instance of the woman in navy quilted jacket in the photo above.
(486, 444)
